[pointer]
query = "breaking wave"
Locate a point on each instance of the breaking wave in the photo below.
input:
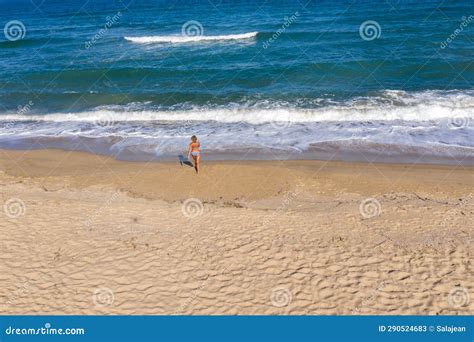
(188, 39)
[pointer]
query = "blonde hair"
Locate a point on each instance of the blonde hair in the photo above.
(194, 138)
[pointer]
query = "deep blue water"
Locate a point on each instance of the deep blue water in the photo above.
(305, 74)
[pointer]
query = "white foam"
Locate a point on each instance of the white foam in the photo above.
(456, 107)
(408, 122)
(187, 39)
(421, 112)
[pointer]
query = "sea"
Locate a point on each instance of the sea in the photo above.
(386, 81)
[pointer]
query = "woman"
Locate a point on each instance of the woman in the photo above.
(194, 150)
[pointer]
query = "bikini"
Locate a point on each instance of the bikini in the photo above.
(196, 153)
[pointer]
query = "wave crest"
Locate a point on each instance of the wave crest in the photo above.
(187, 39)
(388, 106)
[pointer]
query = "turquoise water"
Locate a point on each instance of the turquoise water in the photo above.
(134, 79)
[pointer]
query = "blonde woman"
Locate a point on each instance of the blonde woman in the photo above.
(195, 152)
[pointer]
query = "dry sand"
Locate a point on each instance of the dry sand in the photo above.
(86, 234)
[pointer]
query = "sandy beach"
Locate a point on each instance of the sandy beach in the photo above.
(86, 234)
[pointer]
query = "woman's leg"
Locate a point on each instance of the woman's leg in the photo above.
(195, 162)
(198, 162)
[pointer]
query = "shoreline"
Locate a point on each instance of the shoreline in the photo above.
(328, 151)
(155, 238)
(74, 167)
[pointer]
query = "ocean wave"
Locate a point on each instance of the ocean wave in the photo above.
(420, 142)
(390, 105)
(187, 39)
(405, 124)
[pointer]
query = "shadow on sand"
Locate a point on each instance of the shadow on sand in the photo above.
(184, 161)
